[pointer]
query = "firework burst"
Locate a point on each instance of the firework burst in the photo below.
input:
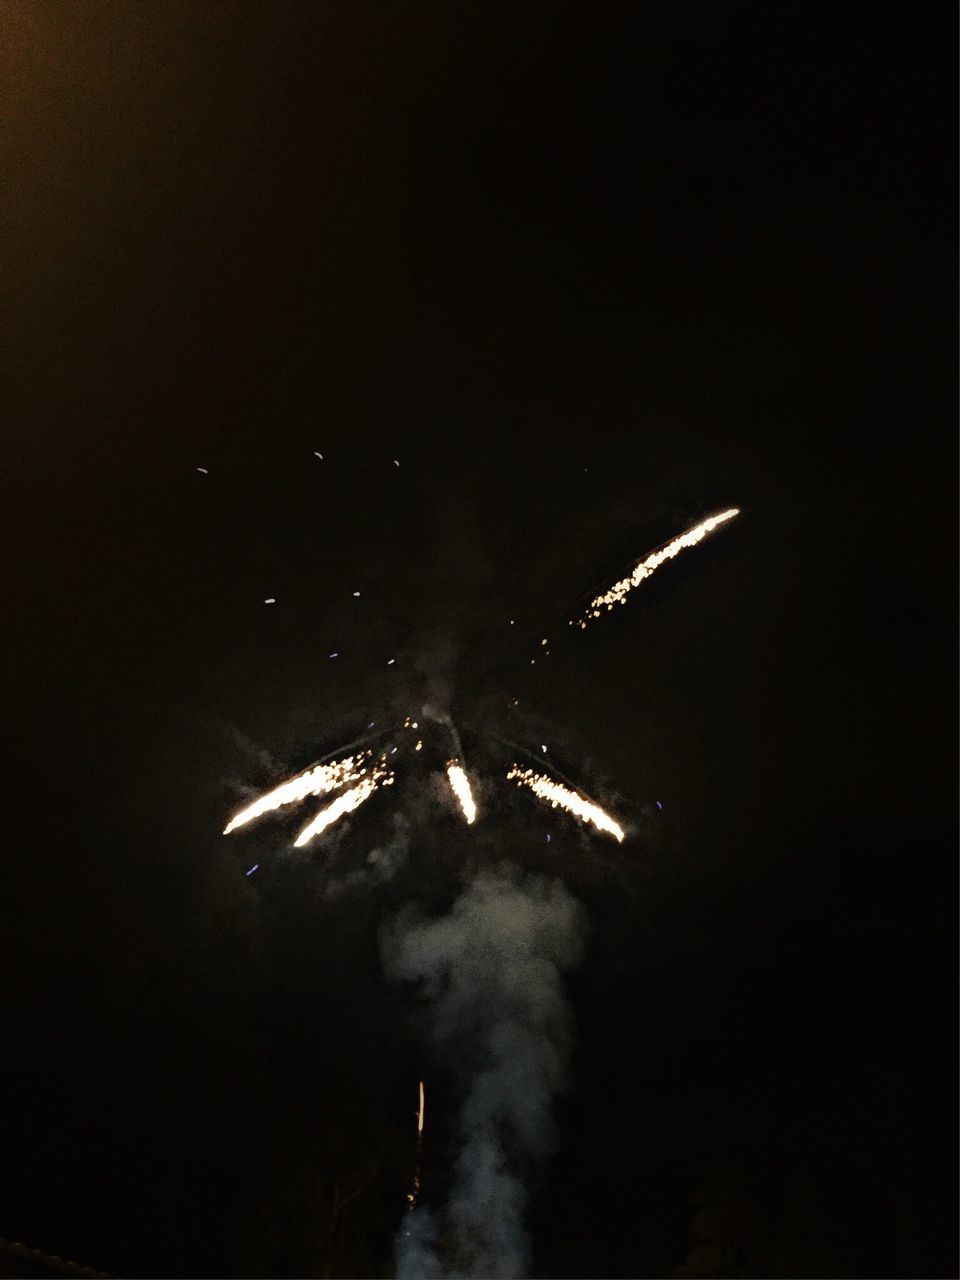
(367, 770)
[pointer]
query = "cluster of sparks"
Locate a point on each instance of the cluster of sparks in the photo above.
(314, 782)
(617, 594)
(380, 776)
(363, 773)
(560, 797)
(320, 780)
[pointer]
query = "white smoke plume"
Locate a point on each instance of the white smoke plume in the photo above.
(491, 971)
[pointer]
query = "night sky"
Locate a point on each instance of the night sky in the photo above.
(587, 272)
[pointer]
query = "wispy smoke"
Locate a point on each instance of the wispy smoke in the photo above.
(491, 971)
(383, 863)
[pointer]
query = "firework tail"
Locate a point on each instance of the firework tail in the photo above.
(413, 1194)
(548, 768)
(643, 569)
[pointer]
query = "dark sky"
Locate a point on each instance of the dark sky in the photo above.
(588, 272)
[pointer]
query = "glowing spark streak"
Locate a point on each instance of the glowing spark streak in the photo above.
(617, 594)
(315, 782)
(420, 1112)
(555, 794)
(460, 785)
(345, 803)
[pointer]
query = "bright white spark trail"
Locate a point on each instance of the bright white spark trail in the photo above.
(315, 782)
(345, 803)
(617, 594)
(460, 785)
(557, 795)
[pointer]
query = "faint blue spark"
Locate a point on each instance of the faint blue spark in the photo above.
(252, 869)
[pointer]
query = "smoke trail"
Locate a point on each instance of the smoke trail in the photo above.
(491, 970)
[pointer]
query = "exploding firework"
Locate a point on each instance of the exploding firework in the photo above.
(480, 997)
(559, 796)
(363, 773)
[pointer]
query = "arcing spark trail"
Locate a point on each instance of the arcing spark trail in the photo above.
(617, 594)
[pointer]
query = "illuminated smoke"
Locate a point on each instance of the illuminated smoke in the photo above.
(345, 803)
(617, 594)
(315, 782)
(559, 796)
(460, 785)
(491, 973)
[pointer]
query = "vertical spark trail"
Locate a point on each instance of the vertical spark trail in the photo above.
(557, 795)
(315, 782)
(345, 803)
(460, 785)
(617, 594)
(414, 1194)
